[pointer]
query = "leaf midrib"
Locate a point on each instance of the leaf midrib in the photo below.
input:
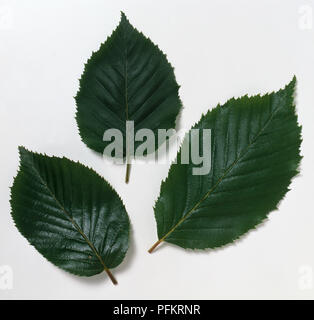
(127, 151)
(126, 77)
(221, 178)
(76, 226)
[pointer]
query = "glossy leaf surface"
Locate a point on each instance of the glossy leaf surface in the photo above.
(70, 214)
(255, 145)
(127, 79)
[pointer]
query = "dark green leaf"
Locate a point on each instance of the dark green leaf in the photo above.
(128, 78)
(69, 214)
(254, 155)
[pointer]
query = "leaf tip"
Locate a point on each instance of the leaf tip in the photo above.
(23, 151)
(293, 82)
(123, 17)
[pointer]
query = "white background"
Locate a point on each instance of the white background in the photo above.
(220, 49)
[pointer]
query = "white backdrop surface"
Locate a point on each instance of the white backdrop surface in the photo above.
(220, 49)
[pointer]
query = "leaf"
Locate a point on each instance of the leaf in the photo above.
(69, 214)
(255, 145)
(127, 79)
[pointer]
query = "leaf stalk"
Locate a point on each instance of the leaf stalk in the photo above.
(155, 245)
(127, 174)
(111, 277)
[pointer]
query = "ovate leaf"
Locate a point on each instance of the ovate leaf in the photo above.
(255, 145)
(69, 214)
(127, 79)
